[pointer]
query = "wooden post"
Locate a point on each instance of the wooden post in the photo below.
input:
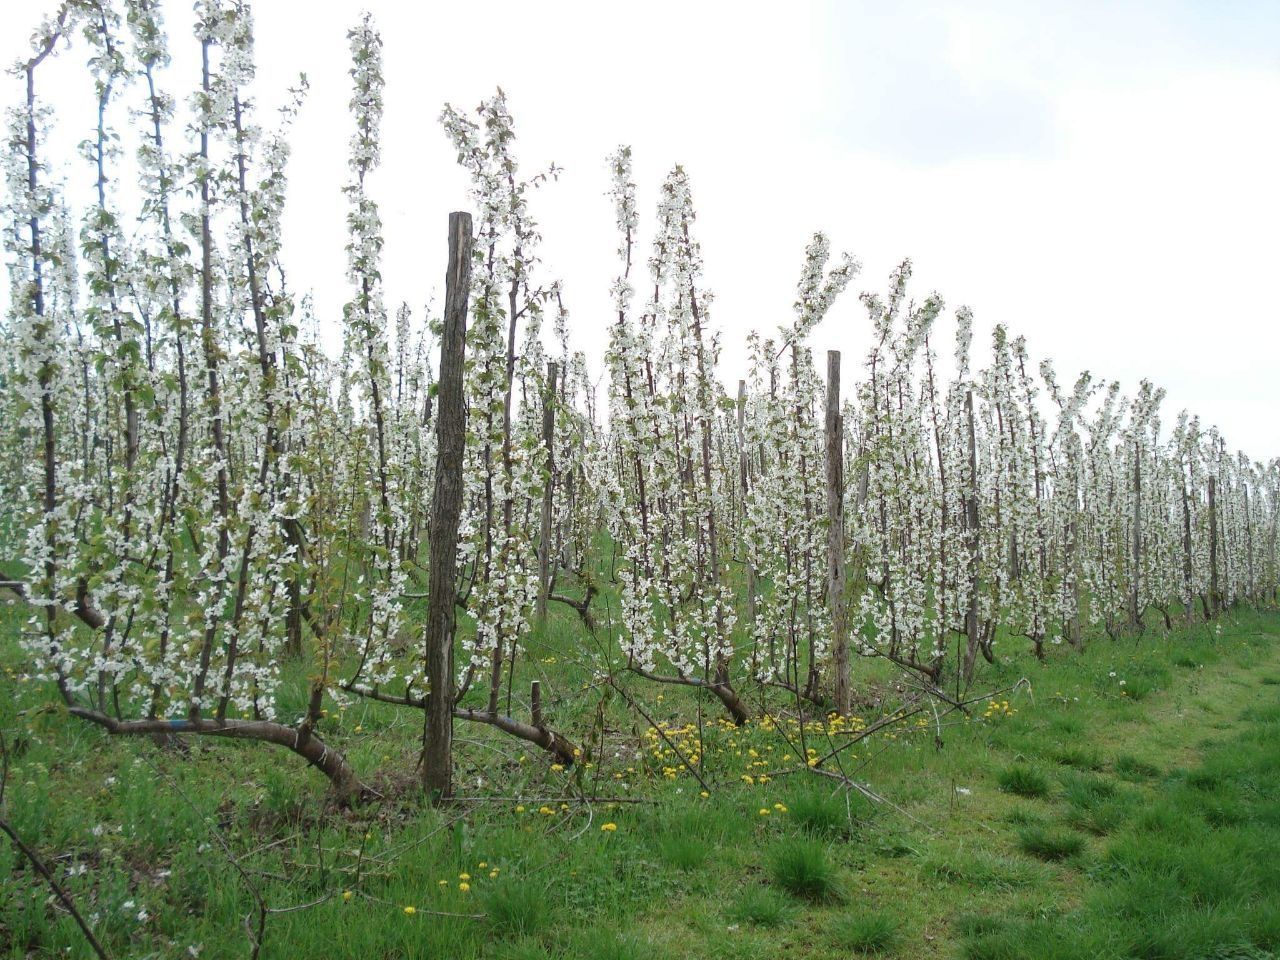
(1188, 593)
(446, 511)
(835, 538)
(1248, 540)
(549, 447)
(972, 638)
(743, 461)
(535, 703)
(1135, 614)
(1213, 547)
(1074, 636)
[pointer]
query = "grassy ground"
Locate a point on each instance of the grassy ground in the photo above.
(1122, 803)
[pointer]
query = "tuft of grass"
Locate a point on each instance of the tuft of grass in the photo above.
(1271, 680)
(979, 924)
(1133, 768)
(1044, 938)
(682, 852)
(868, 931)
(1078, 757)
(1086, 790)
(803, 869)
(1049, 844)
(823, 814)
(981, 869)
(1023, 781)
(1023, 817)
(516, 909)
(526, 948)
(1100, 820)
(605, 943)
(761, 906)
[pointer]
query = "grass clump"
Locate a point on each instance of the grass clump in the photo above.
(682, 852)
(605, 943)
(1023, 781)
(979, 868)
(1133, 769)
(762, 907)
(1085, 790)
(1078, 757)
(823, 814)
(803, 869)
(516, 908)
(1050, 845)
(868, 932)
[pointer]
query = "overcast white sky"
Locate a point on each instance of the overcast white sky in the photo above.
(1101, 177)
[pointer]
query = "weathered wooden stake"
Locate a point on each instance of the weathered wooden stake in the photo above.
(1135, 614)
(835, 538)
(535, 703)
(971, 526)
(1188, 591)
(446, 510)
(549, 447)
(743, 481)
(1214, 596)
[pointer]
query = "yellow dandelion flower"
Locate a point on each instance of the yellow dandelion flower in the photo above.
(410, 911)
(464, 887)
(346, 896)
(608, 827)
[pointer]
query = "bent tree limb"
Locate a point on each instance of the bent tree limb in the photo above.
(346, 785)
(721, 689)
(535, 732)
(83, 610)
(554, 743)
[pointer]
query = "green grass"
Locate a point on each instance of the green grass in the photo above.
(1050, 844)
(866, 931)
(831, 814)
(686, 853)
(1088, 822)
(762, 906)
(516, 908)
(1024, 782)
(804, 869)
(1134, 768)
